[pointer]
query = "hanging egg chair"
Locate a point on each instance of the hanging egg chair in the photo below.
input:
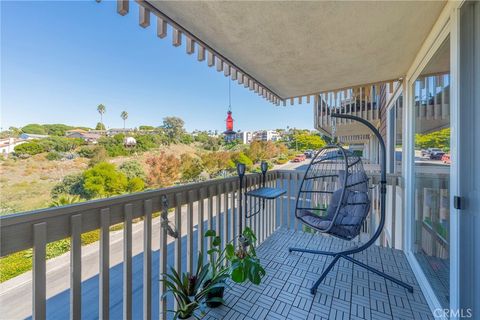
(333, 199)
(333, 196)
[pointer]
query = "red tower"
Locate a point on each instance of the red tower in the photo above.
(229, 133)
(229, 121)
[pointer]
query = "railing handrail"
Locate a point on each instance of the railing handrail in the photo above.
(16, 229)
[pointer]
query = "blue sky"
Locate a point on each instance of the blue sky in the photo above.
(59, 60)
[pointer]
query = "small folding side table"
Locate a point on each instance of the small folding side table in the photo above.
(257, 197)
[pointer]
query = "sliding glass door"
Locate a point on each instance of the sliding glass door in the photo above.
(431, 216)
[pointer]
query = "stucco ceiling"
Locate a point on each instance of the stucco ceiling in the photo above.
(300, 48)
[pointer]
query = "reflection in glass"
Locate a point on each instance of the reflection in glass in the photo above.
(432, 171)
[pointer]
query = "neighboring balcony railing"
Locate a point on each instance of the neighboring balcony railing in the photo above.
(207, 205)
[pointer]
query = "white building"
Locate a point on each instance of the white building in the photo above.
(267, 135)
(8, 145)
(245, 136)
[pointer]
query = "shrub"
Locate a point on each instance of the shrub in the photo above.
(103, 180)
(214, 162)
(135, 185)
(99, 155)
(114, 145)
(29, 148)
(86, 152)
(186, 139)
(146, 142)
(163, 170)
(241, 157)
(54, 155)
(190, 167)
(71, 184)
(133, 169)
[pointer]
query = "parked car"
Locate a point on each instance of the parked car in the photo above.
(309, 154)
(299, 158)
(430, 151)
(446, 158)
(436, 155)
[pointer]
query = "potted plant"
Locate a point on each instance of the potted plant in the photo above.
(244, 264)
(189, 289)
(219, 272)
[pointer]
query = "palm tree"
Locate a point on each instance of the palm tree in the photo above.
(101, 109)
(64, 199)
(124, 116)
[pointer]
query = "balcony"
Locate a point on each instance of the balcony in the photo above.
(119, 276)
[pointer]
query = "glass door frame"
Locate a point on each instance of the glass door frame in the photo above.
(446, 26)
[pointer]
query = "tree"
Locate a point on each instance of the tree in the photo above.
(190, 168)
(124, 116)
(101, 109)
(173, 127)
(304, 141)
(34, 128)
(64, 199)
(103, 180)
(163, 170)
(437, 139)
(146, 128)
(99, 126)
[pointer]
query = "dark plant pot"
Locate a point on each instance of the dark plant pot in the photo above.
(214, 293)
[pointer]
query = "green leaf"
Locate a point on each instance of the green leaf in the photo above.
(216, 241)
(230, 251)
(238, 275)
(210, 233)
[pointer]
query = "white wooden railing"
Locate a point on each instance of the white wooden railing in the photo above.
(213, 202)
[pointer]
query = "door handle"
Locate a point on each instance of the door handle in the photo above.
(457, 202)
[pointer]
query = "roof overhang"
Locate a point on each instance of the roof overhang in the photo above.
(293, 49)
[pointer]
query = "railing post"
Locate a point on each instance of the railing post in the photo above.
(104, 276)
(147, 260)
(76, 267)
(200, 224)
(178, 240)
(394, 210)
(289, 203)
(127, 263)
(281, 199)
(218, 213)
(162, 268)
(296, 193)
(225, 238)
(232, 216)
(39, 281)
(190, 199)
